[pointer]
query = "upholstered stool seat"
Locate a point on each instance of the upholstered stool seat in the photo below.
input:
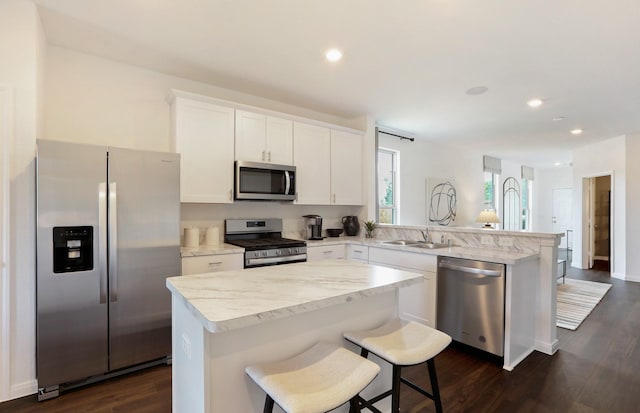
(403, 343)
(315, 381)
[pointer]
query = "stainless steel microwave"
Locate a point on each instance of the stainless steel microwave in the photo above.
(263, 181)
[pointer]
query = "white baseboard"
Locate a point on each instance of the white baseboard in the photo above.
(517, 361)
(547, 348)
(625, 277)
(618, 275)
(23, 389)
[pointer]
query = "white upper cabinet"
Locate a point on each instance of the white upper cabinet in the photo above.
(203, 134)
(261, 138)
(312, 158)
(346, 168)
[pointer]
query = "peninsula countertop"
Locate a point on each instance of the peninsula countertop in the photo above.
(229, 300)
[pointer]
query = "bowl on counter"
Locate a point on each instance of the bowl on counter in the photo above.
(334, 232)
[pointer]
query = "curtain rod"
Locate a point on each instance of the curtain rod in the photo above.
(397, 136)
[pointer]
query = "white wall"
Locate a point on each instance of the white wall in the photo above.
(90, 99)
(598, 159)
(22, 48)
(544, 182)
(422, 159)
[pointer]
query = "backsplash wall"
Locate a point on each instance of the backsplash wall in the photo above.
(213, 215)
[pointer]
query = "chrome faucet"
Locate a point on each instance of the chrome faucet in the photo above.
(425, 234)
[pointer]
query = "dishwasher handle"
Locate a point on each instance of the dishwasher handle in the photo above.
(471, 270)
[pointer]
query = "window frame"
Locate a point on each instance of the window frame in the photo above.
(395, 185)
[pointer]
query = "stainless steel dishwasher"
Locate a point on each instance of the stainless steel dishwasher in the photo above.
(471, 302)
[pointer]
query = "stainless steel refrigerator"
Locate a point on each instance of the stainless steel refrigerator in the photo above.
(108, 235)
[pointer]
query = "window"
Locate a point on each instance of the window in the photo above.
(492, 169)
(388, 186)
(490, 190)
(526, 204)
(527, 194)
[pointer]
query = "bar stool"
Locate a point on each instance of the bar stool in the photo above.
(318, 380)
(403, 343)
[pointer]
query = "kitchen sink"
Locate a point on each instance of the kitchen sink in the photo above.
(430, 245)
(402, 242)
(417, 244)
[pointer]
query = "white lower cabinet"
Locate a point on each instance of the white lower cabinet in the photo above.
(418, 301)
(326, 252)
(358, 253)
(212, 263)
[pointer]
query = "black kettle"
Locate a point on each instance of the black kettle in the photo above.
(351, 225)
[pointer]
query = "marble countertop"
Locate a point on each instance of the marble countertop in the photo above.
(230, 300)
(472, 253)
(210, 250)
(481, 254)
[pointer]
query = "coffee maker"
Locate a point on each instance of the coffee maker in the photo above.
(314, 227)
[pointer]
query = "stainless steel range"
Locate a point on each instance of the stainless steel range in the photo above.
(263, 243)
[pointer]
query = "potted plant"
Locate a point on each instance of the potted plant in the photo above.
(369, 226)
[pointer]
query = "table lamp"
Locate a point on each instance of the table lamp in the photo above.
(488, 217)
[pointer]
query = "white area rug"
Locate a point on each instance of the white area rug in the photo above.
(576, 300)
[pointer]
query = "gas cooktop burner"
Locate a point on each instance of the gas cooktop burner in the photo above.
(266, 243)
(263, 243)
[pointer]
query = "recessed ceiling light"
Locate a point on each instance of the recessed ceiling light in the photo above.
(333, 55)
(557, 164)
(558, 118)
(535, 103)
(477, 90)
(576, 131)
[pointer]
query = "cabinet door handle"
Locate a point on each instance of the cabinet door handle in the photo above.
(263, 155)
(269, 154)
(334, 198)
(211, 264)
(327, 252)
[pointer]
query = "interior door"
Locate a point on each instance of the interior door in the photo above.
(144, 231)
(561, 213)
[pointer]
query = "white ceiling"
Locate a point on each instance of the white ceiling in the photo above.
(408, 63)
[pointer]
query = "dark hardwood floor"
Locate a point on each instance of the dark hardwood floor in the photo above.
(597, 369)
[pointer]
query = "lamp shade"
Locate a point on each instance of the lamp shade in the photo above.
(488, 217)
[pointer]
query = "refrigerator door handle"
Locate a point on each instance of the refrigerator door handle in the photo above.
(113, 243)
(102, 239)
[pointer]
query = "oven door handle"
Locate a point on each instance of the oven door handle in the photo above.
(274, 260)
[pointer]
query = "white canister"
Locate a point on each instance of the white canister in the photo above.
(191, 237)
(212, 236)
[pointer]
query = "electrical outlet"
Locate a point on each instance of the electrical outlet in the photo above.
(186, 346)
(486, 240)
(505, 241)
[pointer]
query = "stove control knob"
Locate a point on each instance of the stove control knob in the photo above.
(278, 252)
(294, 250)
(264, 253)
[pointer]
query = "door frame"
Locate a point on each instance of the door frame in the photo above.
(6, 134)
(588, 201)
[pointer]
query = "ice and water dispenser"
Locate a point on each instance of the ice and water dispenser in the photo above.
(72, 249)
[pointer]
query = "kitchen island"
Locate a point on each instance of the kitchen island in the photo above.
(224, 321)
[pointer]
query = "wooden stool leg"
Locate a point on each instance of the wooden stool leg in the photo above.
(434, 385)
(395, 390)
(268, 404)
